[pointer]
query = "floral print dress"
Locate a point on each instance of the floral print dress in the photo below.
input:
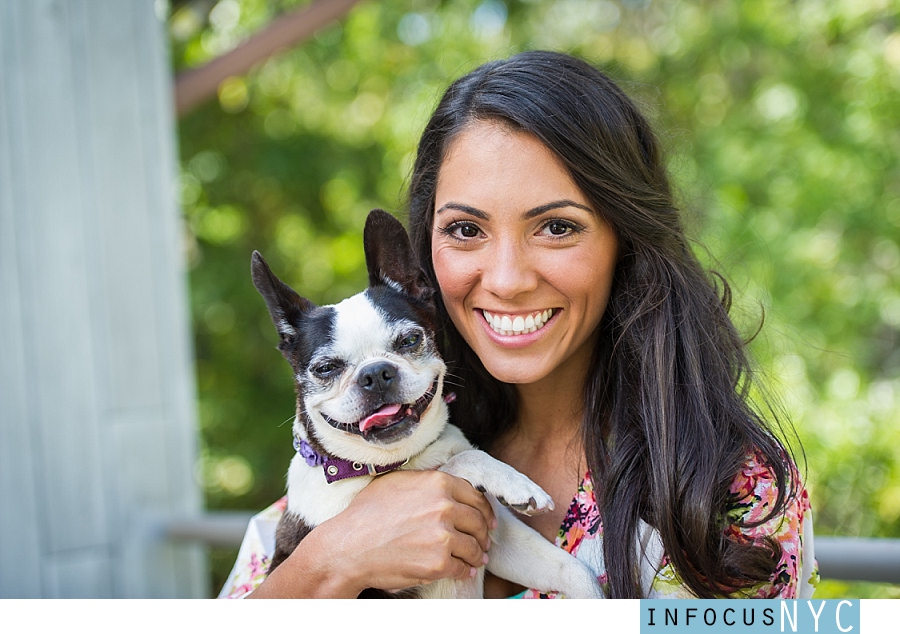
(754, 490)
(581, 534)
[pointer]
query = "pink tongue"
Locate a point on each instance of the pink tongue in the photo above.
(381, 418)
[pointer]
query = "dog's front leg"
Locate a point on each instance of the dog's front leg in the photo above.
(519, 553)
(522, 555)
(510, 487)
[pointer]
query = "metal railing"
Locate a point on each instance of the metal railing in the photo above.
(841, 558)
(859, 559)
(218, 529)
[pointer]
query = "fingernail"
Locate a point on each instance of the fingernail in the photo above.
(473, 572)
(484, 559)
(494, 524)
(488, 545)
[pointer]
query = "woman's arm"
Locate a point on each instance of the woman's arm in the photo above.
(406, 528)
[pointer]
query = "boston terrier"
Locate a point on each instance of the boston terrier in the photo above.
(370, 399)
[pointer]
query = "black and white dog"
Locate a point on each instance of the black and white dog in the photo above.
(369, 400)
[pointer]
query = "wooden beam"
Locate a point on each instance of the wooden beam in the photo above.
(195, 86)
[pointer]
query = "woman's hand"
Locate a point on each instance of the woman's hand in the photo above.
(406, 528)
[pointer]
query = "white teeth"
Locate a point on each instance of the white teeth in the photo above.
(518, 325)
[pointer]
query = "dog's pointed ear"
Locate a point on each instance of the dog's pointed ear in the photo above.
(286, 307)
(390, 258)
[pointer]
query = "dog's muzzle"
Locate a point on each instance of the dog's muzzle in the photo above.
(388, 421)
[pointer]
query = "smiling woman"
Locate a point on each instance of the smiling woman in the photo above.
(539, 190)
(515, 241)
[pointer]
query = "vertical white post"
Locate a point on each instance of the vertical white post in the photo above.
(97, 425)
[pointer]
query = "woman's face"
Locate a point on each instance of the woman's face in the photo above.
(524, 263)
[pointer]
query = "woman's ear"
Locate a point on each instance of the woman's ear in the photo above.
(390, 258)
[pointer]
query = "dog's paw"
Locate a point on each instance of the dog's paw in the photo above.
(488, 475)
(531, 507)
(520, 494)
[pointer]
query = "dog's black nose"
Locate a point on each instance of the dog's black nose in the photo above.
(377, 377)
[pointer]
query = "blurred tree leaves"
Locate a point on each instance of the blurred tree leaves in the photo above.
(782, 120)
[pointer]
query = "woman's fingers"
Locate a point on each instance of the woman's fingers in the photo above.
(472, 538)
(458, 547)
(446, 521)
(466, 494)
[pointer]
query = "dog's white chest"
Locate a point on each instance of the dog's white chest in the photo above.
(315, 501)
(312, 498)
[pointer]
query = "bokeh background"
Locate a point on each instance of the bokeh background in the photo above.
(782, 124)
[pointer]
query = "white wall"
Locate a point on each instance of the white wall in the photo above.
(97, 426)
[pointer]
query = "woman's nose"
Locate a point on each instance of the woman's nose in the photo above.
(508, 271)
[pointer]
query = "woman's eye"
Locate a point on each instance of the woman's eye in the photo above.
(559, 228)
(461, 230)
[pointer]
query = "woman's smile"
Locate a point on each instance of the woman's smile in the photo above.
(522, 324)
(524, 261)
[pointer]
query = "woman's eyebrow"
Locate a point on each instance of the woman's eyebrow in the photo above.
(474, 211)
(556, 204)
(531, 213)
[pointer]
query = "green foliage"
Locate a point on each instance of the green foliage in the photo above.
(783, 126)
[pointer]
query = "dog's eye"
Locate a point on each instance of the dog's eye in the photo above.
(325, 369)
(410, 340)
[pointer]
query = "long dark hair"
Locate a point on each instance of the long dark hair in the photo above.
(667, 421)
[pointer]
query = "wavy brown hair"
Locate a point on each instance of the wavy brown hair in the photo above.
(667, 420)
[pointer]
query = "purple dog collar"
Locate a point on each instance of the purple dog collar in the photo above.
(339, 469)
